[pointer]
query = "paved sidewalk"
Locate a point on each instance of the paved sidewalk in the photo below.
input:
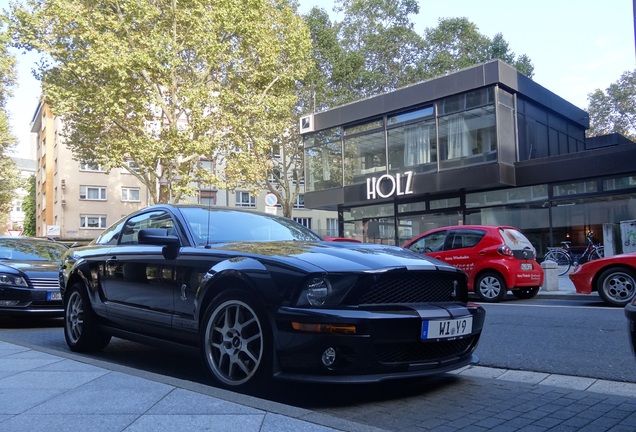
(41, 391)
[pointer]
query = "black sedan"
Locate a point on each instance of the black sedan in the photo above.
(29, 276)
(262, 297)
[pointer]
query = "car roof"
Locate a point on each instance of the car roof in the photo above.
(482, 227)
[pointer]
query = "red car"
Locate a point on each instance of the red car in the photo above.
(496, 258)
(613, 277)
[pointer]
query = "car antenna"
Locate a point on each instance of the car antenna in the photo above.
(207, 237)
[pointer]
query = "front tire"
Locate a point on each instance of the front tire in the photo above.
(617, 286)
(491, 287)
(81, 329)
(526, 293)
(235, 342)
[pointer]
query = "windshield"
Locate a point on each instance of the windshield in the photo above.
(30, 250)
(220, 226)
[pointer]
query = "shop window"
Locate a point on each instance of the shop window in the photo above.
(413, 146)
(468, 138)
(575, 188)
(364, 155)
(323, 160)
(619, 183)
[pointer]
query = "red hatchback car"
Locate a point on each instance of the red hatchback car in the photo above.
(496, 258)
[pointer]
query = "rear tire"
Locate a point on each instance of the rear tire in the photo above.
(491, 287)
(617, 286)
(81, 328)
(525, 293)
(561, 258)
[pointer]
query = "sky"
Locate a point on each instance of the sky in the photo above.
(576, 46)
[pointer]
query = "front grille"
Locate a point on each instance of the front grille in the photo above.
(47, 284)
(415, 352)
(409, 287)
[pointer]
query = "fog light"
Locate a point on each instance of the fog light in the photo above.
(329, 357)
(9, 302)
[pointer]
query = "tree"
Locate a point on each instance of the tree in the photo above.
(29, 208)
(382, 50)
(457, 44)
(614, 110)
(375, 49)
(8, 172)
(166, 84)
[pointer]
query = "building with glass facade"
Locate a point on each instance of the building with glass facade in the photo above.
(485, 145)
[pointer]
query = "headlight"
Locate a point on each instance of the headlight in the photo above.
(316, 291)
(9, 279)
(325, 290)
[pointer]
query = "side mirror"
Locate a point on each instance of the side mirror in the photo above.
(158, 236)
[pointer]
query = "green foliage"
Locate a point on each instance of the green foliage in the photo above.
(374, 49)
(614, 110)
(457, 44)
(8, 173)
(167, 84)
(29, 208)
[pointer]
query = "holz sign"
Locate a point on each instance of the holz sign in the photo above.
(388, 185)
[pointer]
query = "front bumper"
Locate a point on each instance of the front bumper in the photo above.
(387, 343)
(30, 301)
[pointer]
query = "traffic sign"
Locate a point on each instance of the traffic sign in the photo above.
(271, 200)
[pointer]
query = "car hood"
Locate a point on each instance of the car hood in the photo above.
(38, 269)
(340, 256)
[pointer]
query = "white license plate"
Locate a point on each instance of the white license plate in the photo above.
(55, 295)
(526, 266)
(447, 328)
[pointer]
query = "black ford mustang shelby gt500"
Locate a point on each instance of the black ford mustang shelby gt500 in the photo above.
(262, 297)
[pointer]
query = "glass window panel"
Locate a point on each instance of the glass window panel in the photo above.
(411, 207)
(468, 137)
(364, 127)
(372, 211)
(445, 203)
(364, 156)
(323, 160)
(522, 194)
(575, 188)
(413, 147)
(412, 115)
(619, 183)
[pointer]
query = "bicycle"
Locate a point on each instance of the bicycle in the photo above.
(565, 259)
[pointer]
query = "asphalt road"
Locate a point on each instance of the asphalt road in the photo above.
(569, 337)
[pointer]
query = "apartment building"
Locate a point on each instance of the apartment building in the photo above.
(76, 201)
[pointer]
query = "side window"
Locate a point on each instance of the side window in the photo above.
(111, 235)
(431, 243)
(464, 239)
(156, 219)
